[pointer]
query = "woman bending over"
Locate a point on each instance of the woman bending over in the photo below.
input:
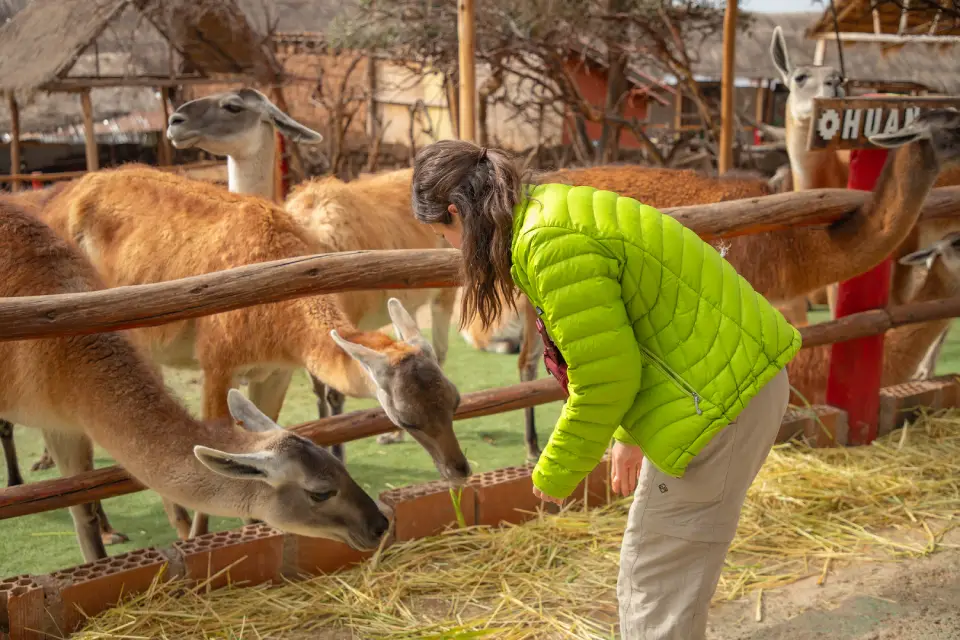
(668, 351)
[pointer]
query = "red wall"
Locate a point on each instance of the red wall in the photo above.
(592, 82)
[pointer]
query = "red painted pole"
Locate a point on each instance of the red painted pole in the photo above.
(853, 382)
(36, 184)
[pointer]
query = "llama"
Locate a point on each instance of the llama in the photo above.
(97, 388)
(826, 168)
(369, 214)
(931, 141)
(112, 216)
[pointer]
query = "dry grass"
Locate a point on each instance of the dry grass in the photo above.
(555, 577)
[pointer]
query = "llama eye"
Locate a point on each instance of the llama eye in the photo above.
(232, 108)
(801, 78)
(321, 496)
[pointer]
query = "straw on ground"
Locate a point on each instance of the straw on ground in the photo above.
(808, 512)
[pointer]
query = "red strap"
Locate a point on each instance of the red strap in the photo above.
(552, 357)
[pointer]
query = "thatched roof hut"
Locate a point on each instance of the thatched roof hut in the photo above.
(125, 50)
(934, 67)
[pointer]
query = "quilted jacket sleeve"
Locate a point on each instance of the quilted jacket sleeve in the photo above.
(576, 282)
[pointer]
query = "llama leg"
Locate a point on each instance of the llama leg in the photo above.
(323, 410)
(73, 454)
(216, 384)
(531, 350)
(45, 462)
(441, 312)
(179, 518)
(10, 454)
(336, 400)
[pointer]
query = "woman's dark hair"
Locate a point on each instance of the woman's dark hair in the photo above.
(485, 185)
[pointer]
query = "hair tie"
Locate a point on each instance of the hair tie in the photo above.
(483, 155)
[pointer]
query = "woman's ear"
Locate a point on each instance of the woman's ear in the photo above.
(453, 210)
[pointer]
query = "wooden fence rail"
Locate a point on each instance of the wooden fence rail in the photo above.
(160, 303)
(70, 175)
(110, 482)
(48, 495)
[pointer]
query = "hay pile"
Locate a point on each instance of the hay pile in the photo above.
(556, 576)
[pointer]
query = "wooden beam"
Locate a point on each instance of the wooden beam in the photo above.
(889, 38)
(468, 71)
(725, 161)
(14, 139)
(110, 482)
(89, 133)
(164, 148)
(163, 302)
(73, 83)
(819, 52)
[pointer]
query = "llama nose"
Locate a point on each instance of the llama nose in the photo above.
(177, 118)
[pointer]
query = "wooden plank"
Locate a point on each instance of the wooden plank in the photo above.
(79, 84)
(89, 133)
(846, 123)
(163, 302)
(110, 482)
(468, 71)
(14, 139)
(725, 161)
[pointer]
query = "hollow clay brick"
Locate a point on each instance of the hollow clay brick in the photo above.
(22, 610)
(311, 556)
(901, 402)
(254, 555)
(829, 427)
(505, 495)
(797, 421)
(597, 487)
(427, 509)
(88, 589)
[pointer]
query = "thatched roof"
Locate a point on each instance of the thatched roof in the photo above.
(932, 66)
(857, 16)
(39, 45)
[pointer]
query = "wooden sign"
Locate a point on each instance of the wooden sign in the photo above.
(846, 123)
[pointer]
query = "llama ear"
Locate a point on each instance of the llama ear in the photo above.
(284, 123)
(905, 136)
(922, 258)
(374, 363)
(778, 51)
(262, 465)
(406, 327)
(247, 415)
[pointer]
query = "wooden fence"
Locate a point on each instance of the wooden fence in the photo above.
(145, 305)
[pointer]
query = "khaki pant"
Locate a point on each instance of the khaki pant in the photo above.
(679, 529)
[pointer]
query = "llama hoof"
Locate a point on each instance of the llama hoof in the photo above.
(44, 463)
(113, 537)
(390, 438)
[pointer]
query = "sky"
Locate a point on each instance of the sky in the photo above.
(783, 6)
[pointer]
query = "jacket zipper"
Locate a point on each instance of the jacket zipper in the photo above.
(670, 375)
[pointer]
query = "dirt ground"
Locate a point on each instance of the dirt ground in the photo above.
(907, 600)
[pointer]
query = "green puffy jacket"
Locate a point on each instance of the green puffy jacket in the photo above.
(660, 333)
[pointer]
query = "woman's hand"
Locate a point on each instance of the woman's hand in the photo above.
(546, 498)
(625, 465)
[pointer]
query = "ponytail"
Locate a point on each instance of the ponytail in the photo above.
(485, 185)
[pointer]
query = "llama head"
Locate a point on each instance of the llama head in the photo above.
(805, 82)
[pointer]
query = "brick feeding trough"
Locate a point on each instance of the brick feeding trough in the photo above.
(34, 605)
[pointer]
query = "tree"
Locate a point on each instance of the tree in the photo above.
(536, 43)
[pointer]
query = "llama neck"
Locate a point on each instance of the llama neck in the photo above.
(254, 173)
(146, 430)
(811, 169)
(906, 347)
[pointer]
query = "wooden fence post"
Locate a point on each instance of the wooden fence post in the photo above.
(853, 383)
